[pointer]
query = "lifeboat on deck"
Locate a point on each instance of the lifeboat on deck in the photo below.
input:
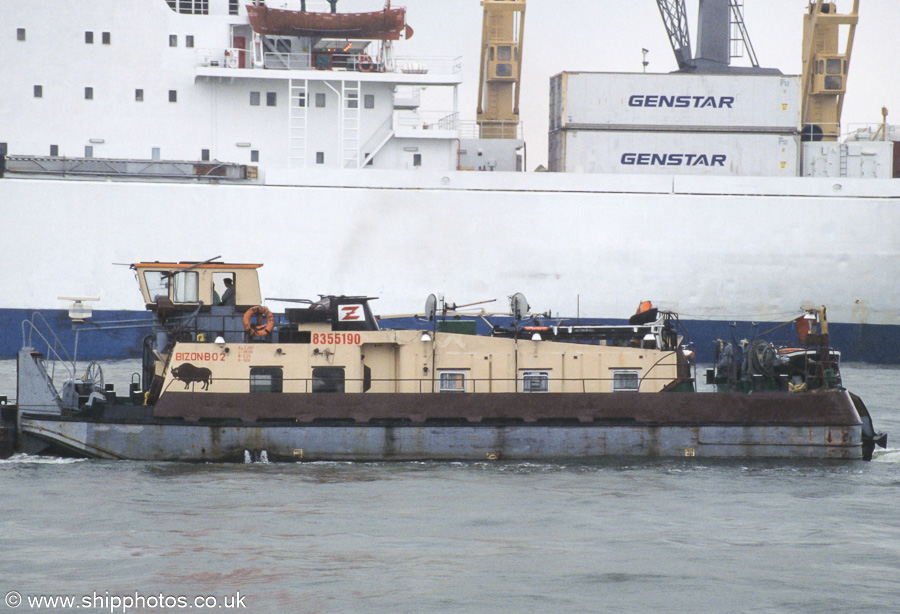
(387, 24)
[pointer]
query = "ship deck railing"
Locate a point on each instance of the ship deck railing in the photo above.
(242, 59)
(314, 385)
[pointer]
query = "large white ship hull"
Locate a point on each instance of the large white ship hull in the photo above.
(712, 249)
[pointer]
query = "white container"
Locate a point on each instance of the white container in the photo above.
(617, 101)
(860, 159)
(674, 153)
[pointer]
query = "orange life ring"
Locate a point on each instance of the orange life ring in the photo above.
(366, 64)
(264, 321)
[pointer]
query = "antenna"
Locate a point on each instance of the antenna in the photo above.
(430, 307)
(518, 306)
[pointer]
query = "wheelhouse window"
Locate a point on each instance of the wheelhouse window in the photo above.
(452, 381)
(535, 381)
(328, 379)
(157, 285)
(624, 381)
(186, 287)
(232, 7)
(266, 379)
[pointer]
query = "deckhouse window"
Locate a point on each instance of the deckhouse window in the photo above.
(535, 381)
(320, 100)
(157, 285)
(173, 95)
(626, 381)
(88, 93)
(328, 379)
(20, 34)
(266, 379)
(106, 38)
(191, 7)
(173, 40)
(369, 100)
(186, 287)
(139, 95)
(271, 99)
(38, 91)
(189, 40)
(254, 99)
(89, 38)
(452, 381)
(232, 7)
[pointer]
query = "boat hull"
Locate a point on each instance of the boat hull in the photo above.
(397, 427)
(206, 443)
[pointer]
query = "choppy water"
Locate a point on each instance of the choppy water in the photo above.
(686, 535)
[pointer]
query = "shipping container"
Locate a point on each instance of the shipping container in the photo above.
(679, 102)
(861, 159)
(674, 153)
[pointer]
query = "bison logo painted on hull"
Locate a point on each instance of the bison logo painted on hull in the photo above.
(188, 373)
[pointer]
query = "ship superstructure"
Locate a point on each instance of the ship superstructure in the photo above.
(131, 126)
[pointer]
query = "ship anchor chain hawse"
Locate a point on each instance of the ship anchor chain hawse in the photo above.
(327, 380)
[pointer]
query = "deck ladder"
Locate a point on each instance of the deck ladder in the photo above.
(297, 107)
(350, 124)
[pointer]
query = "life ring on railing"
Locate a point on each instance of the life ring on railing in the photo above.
(366, 64)
(264, 321)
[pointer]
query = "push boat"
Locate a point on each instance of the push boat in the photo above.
(225, 379)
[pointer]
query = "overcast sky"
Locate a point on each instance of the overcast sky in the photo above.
(607, 35)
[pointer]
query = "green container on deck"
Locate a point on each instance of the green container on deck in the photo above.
(460, 327)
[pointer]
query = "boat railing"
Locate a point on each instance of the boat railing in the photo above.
(237, 58)
(471, 129)
(426, 120)
(38, 335)
(582, 385)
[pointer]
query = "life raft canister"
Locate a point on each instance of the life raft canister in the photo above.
(264, 321)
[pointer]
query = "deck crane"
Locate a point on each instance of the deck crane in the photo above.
(825, 69)
(502, 37)
(714, 38)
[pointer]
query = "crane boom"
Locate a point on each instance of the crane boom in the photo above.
(674, 17)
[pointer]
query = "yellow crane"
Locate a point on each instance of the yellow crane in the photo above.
(825, 68)
(502, 35)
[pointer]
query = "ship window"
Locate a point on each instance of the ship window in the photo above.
(504, 70)
(367, 378)
(189, 40)
(452, 381)
(626, 381)
(417, 160)
(320, 100)
(173, 95)
(20, 34)
(173, 40)
(38, 91)
(821, 70)
(106, 38)
(186, 286)
(271, 99)
(157, 285)
(88, 151)
(139, 95)
(504, 53)
(232, 7)
(320, 157)
(301, 100)
(266, 379)
(88, 93)
(254, 99)
(89, 38)
(54, 150)
(154, 153)
(834, 83)
(833, 66)
(204, 155)
(328, 379)
(254, 155)
(352, 100)
(536, 381)
(369, 101)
